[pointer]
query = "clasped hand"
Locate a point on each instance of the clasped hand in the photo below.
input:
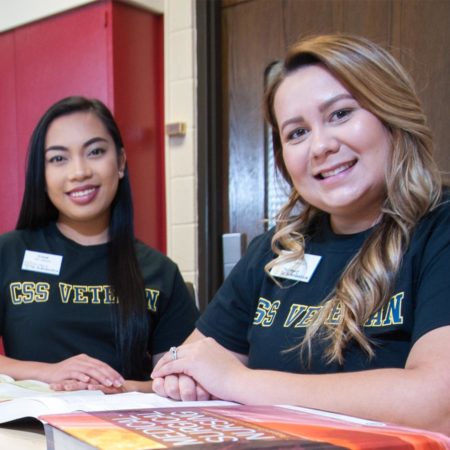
(203, 370)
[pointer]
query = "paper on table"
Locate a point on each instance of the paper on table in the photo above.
(127, 400)
(10, 388)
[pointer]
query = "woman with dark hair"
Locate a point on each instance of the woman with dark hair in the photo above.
(83, 303)
(343, 306)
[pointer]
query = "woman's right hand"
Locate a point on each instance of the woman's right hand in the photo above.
(211, 366)
(180, 387)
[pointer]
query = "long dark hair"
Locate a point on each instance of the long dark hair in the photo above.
(131, 318)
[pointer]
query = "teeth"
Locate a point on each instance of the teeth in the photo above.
(333, 172)
(82, 193)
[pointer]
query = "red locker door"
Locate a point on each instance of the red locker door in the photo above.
(138, 66)
(64, 55)
(10, 184)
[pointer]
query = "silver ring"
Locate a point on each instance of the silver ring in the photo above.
(173, 352)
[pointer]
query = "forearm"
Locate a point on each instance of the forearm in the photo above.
(22, 370)
(196, 336)
(418, 395)
(411, 397)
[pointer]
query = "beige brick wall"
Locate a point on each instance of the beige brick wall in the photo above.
(180, 101)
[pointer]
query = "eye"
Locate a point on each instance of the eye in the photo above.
(340, 114)
(98, 151)
(56, 159)
(296, 134)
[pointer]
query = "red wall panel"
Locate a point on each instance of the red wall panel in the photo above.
(60, 56)
(9, 168)
(138, 66)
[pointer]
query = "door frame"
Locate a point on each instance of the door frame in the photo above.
(210, 161)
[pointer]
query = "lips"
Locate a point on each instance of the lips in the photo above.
(335, 171)
(84, 194)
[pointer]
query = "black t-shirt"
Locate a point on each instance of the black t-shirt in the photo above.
(251, 315)
(49, 317)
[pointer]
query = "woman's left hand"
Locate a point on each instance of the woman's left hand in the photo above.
(75, 385)
(213, 367)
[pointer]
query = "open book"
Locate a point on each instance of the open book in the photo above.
(30, 398)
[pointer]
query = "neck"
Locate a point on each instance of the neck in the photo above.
(345, 226)
(84, 235)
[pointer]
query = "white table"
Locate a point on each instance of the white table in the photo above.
(22, 436)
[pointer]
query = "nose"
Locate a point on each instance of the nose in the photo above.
(323, 142)
(80, 169)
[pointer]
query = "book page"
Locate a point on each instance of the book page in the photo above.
(10, 388)
(131, 400)
(31, 398)
(20, 408)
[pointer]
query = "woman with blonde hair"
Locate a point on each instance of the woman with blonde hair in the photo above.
(343, 306)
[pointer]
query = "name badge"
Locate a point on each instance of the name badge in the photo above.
(42, 262)
(300, 270)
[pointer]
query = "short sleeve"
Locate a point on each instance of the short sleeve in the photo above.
(176, 319)
(432, 305)
(230, 314)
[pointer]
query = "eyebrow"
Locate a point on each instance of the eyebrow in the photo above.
(322, 108)
(86, 144)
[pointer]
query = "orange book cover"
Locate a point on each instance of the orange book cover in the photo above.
(229, 427)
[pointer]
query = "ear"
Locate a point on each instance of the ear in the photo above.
(122, 162)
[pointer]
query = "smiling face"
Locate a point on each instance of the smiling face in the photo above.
(335, 151)
(82, 172)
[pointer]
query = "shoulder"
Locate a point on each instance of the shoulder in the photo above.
(16, 237)
(9, 236)
(262, 242)
(14, 244)
(260, 247)
(438, 217)
(145, 251)
(432, 232)
(148, 256)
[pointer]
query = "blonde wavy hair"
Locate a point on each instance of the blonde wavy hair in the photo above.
(413, 184)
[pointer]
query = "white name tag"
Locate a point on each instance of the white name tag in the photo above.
(42, 262)
(301, 270)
